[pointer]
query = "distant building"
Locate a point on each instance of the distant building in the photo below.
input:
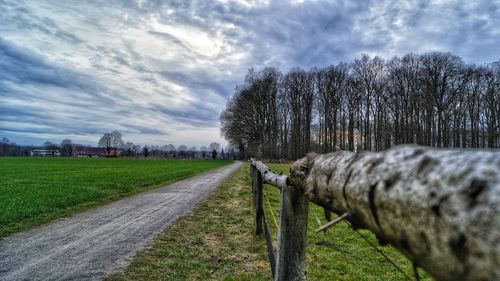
(88, 151)
(45, 152)
(116, 153)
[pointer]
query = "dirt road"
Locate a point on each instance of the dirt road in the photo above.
(91, 245)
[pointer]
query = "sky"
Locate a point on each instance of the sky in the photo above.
(161, 71)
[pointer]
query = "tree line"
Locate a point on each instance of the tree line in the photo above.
(113, 145)
(371, 104)
(8, 148)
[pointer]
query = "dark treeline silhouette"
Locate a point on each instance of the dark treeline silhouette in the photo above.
(433, 99)
(112, 145)
(8, 148)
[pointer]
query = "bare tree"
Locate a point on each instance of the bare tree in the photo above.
(431, 99)
(111, 142)
(66, 147)
(106, 141)
(129, 149)
(298, 87)
(331, 84)
(214, 148)
(182, 151)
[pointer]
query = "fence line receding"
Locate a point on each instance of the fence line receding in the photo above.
(439, 207)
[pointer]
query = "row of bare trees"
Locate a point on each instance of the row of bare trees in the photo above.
(433, 99)
(115, 146)
(213, 151)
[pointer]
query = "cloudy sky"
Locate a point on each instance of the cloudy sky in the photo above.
(161, 71)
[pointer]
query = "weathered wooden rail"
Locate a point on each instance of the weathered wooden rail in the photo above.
(439, 207)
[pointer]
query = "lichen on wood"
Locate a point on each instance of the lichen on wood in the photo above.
(278, 180)
(440, 207)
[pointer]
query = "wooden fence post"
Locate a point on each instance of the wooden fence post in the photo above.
(259, 207)
(292, 236)
(253, 173)
(258, 193)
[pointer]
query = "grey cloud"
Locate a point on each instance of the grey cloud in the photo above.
(144, 130)
(20, 67)
(195, 114)
(103, 72)
(13, 13)
(200, 81)
(170, 39)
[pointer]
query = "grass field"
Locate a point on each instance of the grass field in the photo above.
(37, 190)
(217, 242)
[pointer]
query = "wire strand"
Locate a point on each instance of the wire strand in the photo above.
(271, 208)
(382, 253)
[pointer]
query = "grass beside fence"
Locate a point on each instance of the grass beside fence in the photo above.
(217, 242)
(37, 190)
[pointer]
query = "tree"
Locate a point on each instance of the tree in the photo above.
(145, 151)
(250, 121)
(192, 152)
(203, 150)
(66, 147)
(368, 76)
(214, 149)
(171, 148)
(239, 121)
(137, 149)
(107, 143)
(331, 84)
(8, 148)
(111, 142)
(214, 146)
(430, 99)
(182, 151)
(298, 87)
(129, 148)
(117, 141)
(439, 72)
(50, 146)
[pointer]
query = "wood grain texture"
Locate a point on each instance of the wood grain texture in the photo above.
(440, 207)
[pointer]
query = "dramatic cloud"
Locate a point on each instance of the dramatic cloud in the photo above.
(161, 71)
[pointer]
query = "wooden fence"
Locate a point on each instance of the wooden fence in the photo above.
(439, 207)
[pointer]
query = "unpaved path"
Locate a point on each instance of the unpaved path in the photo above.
(91, 245)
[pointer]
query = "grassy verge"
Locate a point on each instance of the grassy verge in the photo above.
(36, 190)
(214, 242)
(217, 242)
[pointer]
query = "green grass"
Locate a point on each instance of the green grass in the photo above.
(217, 242)
(37, 190)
